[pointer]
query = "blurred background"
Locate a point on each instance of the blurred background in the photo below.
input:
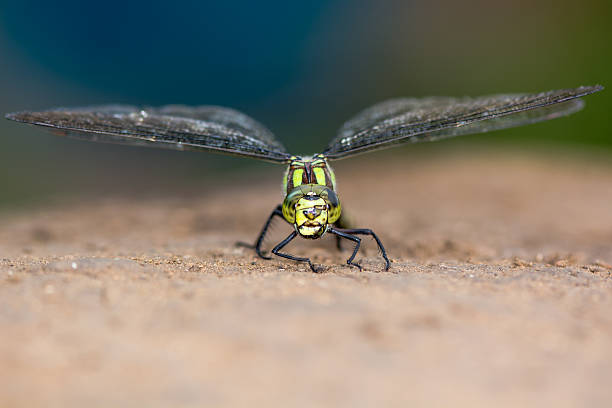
(301, 68)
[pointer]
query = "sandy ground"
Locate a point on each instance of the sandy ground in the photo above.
(498, 295)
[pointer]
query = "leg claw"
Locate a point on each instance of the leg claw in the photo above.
(315, 269)
(262, 254)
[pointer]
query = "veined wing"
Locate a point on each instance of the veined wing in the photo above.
(411, 120)
(208, 128)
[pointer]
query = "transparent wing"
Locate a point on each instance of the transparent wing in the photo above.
(411, 120)
(208, 128)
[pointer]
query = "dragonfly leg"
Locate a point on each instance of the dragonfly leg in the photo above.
(339, 243)
(365, 231)
(257, 246)
(341, 234)
(284, 242)
(342, 223)
(276, 212)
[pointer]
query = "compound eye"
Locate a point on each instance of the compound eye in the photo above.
(332, 198)
(333, 205)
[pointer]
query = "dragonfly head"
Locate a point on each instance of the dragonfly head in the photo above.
(311, 216)
(311, 208)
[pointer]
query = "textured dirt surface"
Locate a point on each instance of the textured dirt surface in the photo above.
(499, 295)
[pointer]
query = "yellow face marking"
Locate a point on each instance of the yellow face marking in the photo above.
(311, 216)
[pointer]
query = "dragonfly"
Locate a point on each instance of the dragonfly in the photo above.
(311, 203)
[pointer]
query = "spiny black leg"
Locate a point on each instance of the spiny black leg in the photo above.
(357, 241)
(277, 211)
(293, 258)
(365, 231)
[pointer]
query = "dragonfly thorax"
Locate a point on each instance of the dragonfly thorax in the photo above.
(309, 170)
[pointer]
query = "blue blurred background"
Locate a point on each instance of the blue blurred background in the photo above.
(301, 68)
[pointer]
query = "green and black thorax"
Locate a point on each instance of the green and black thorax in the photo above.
(309, 170)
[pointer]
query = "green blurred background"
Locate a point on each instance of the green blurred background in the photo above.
(301, 68)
